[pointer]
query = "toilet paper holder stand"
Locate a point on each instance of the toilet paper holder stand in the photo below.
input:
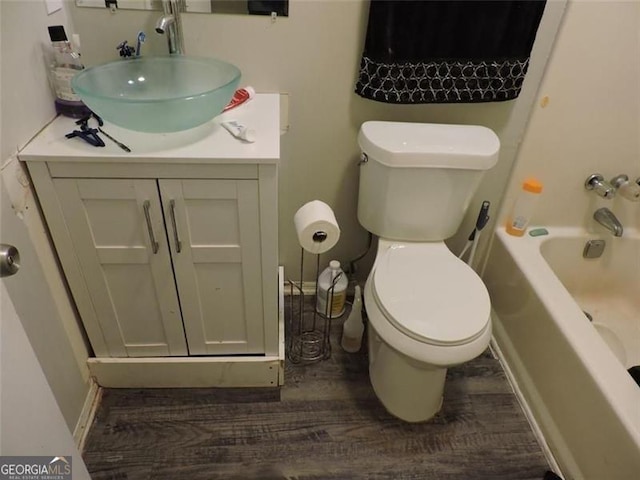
(309, 332)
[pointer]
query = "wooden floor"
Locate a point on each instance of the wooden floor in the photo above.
(325, 423)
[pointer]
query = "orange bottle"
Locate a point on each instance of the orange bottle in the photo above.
(524, 207)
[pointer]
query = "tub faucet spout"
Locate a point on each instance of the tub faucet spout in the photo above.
(608, 220)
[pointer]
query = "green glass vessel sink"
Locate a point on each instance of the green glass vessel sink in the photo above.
(158, 94)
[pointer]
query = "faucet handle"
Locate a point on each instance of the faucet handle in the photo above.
(628, 190)
(597, 183)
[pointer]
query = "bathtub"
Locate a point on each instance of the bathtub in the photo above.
(572, 371)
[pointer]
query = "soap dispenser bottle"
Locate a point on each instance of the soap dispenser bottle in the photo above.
(353, 327)
(64, 64)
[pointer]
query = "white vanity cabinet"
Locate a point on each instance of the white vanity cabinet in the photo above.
(170, 252)
(150, 249)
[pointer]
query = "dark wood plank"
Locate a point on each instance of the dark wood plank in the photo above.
(324, 423)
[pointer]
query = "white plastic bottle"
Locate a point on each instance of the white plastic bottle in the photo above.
(325, 280)
(524, 207)
(353, 327)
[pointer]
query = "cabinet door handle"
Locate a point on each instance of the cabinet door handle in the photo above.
(176, 237)
(154, 244)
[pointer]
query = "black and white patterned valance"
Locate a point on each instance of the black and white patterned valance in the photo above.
(447, 51)
(441, 82)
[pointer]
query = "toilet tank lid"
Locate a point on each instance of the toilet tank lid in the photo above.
(402, 144)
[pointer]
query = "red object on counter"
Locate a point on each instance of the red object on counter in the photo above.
(240, 96)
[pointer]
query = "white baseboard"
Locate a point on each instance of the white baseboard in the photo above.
(87, 415)
(308, 288)
(186, 372)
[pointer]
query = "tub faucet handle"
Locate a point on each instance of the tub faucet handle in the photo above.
(597, 183)
(626, 188)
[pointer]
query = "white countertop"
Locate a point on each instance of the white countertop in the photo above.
(209, 143)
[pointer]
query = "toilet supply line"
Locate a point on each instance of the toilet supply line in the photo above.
(351, 264)
(474, 237)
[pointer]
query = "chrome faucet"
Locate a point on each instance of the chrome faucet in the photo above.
(608, 220)
(169, 23)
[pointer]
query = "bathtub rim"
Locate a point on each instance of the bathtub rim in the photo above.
(613, 381)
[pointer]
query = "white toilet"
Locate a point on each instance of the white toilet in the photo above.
(427, 309)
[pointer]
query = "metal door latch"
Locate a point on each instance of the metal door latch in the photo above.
(9, 260)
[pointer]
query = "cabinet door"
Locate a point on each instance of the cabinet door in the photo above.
(214, 235)
(117, 229)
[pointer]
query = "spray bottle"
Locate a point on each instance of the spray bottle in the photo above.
(353, 327)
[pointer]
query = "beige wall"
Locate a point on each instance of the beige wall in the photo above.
(592, 120)
(313, 55)
(27, 102)
(38, 290)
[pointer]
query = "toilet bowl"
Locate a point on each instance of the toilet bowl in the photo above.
(427, 311)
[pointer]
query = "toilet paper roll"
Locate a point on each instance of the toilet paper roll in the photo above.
(317, 227)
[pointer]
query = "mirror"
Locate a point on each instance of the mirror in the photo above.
(241, 7)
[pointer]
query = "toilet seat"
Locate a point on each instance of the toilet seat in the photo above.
(430, 295)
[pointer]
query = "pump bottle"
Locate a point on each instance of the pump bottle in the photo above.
(65, 63)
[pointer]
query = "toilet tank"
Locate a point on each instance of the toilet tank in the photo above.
(419, 178)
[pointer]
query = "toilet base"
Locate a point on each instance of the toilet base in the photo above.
(409, 390)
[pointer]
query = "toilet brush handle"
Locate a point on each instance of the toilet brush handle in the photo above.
(483, 215)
